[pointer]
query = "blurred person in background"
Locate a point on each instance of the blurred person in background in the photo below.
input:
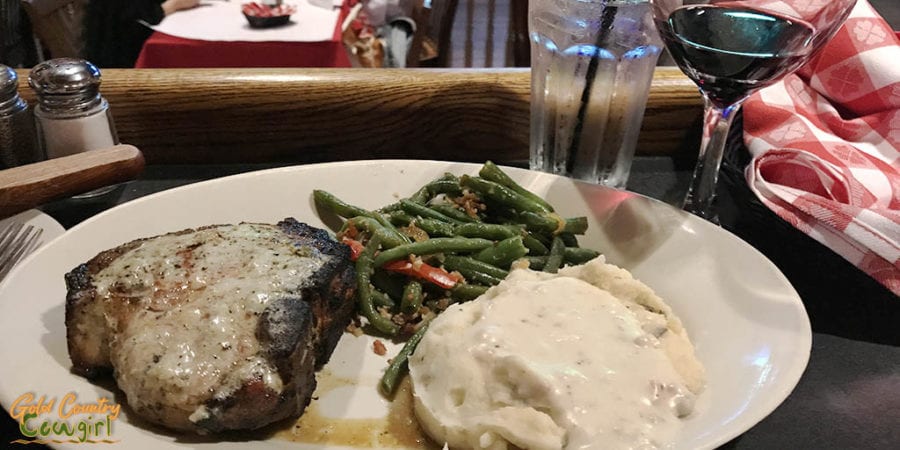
(17, 47)
(58, 24)
(113, 30)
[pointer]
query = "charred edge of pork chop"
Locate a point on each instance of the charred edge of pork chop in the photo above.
(297, 334)
(338, 285)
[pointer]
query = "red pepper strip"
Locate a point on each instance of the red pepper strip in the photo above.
(432, 274)
(356, 247)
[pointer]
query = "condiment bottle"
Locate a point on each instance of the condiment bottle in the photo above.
(18, 144)
(71, 115)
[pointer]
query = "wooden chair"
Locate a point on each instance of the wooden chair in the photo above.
(479, 29)
(434, 25)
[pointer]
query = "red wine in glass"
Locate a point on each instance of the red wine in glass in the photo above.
(730, 52)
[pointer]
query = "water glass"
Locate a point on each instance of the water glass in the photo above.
(592, 62)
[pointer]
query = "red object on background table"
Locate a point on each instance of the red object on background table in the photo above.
(164, 51)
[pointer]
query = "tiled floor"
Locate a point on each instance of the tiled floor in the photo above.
(470, 49)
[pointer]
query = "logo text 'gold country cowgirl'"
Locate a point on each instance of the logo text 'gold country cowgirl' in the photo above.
(65, 420)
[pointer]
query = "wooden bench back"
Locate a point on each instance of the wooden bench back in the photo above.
(180, 116)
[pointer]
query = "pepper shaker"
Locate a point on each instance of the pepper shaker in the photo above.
(71, 116)
(17, 139)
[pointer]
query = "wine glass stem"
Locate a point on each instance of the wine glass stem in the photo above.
(702, 192)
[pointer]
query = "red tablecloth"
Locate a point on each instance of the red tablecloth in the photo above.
(166, 51)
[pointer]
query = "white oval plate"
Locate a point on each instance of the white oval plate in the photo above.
(747, 322)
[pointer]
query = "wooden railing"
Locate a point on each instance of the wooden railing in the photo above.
(313, 115)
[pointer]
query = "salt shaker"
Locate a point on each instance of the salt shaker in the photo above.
(18, 144)
(71, 115)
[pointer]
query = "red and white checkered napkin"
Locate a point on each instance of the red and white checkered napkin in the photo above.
(826, 146)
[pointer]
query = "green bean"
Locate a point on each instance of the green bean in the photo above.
(444, 186)
(536, 262)
(550, 223)
(534, 245)
(348, 211)
(465, 291)
(491, 172)
(474, 276)
(453, 213)
(503, 253)
(569, 239)
(425, 212)
(421, 196)
(575, 225)
(431, 246)
(465, 264)
(555, 258)
(501, 194)
(435, 228)
(540, 223)
(400, 363)
(365, 301)
(390, 208)
(447, 183)
(412, 297)
(494, 232)
(572, 256)
(389, 283)
(577, 255)
(382, 299)
(546, 239)
(388, 238)
(330, 202)
(400, 218)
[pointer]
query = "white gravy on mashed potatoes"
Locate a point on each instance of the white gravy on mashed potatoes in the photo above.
(587, 358)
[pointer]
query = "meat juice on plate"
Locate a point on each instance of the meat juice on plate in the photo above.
(592, 64)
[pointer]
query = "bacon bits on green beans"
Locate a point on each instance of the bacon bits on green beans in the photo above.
(501, 194)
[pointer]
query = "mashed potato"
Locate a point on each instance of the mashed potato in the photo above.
(587, 358)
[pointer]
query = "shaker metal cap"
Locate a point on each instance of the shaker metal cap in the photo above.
(64, 76)
(9, 82)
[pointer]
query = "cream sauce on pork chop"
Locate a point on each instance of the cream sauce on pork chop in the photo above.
(197, 300)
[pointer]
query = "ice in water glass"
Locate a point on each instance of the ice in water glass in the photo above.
(592, 63)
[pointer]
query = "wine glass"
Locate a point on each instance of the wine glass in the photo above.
(732, 49)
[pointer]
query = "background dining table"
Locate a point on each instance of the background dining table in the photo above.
(847, 398)
(217, 35)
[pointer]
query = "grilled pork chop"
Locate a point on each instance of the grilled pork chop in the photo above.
(212, 329)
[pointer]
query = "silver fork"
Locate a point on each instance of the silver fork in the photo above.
(15, 244)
